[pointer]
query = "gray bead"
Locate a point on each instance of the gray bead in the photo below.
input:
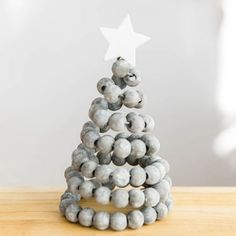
(165, 164)
(86, 189)
(120, 68)
(120, 177)
(79, 158)
(89, 151)
(112, 93)
(122, 135)
(137, 176)
(105, 143)
(169, 202)
(117, 121)
(150, 160)
(118, 221)
(132, 160)
(70, 172)
(120, 198)
(102, 173)
(116, 105)
(152, 143)
(102, 195)
(104, 158)
(109, 185)
(142, 100)
(88, 168)
(150, 215)
(134, 137)
(90, 138)
(74, 183)
(161, 210)
(161, 168)
(88, 126)
(135, 219)
(86, 216)
(153, 175)
(101, 102)
(101, 220)
(144, 161)
(132, 78)
(122, 148)
(72, 212)
(168, 179)
(105, 128)
(136, 122)
(131, 98)
(101, 117)
(69, 195)
(136, 198)
(152, 197)
(119, 82)
(118, 161)
(138, 148)
(163, 188)
(64, 204)
(103, 83)
(149, 123)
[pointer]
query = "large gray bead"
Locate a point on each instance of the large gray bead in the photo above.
(90, 138)
(152, 143)
(118, 221)
(105, 143)
(72, 212)
(122, 135)
(152, 197)
(88, 126)
(131, 98)
(65, 203)
(136, 122)
(161, 168)
(120, 198)
(104, 158)
(163, 188)
(103, 83)
(150, 215)
(120, 177)
(142, 100)
(135, 219)
(102, 195)
(86, 189)
(165, 163)
(86, 216)
(161, 210)
(88, 168)
(102, 173)
(132, 160)
(101, 220)
(122, 148)
(70, 172)
(117, 121)
(137, 176)
(149, 123)
(134, 136)
(133, 78)
(119, 81)
(74, 183)
(118, 161)
(101, 102)
(120, 68)
(138, 148)
(101, 117)
(116, 105)
(153, 175)
(136, 198)
(112, 93)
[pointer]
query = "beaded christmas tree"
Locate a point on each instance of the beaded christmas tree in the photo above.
(94, 171)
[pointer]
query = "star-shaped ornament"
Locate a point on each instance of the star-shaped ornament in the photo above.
(123, 41)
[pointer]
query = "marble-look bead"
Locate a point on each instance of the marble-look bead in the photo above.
(151, 160)
(136, 198)
(72, 212)
(105, 143)
(69, 195)
(109, 185)
(120, 198)
(120, 68)
(112, 93)
(143, 161)
(119, 81)
(138, 148)
(132, 78)
(152, 143)
(104, 158)
(134, 136)
(74, 183)
(102, 195)
(90, 138)
(142, 100)
(161, 210)
(137, 176)
(118, 161)
(122, 135)
(150, 215)
(118, 221)
(86, 189)
(117, 121)
(153, 175)
(65, 203)
(161, 168)
(132, 160)
(104, 129)
(102, 173)
(131, 98)
(168, 179)
(103, 83)
(135, 219)
(88, 168)
(116, 105)
(152, 197)
(101, 220)
(169, 202)
(70, 172)
(120, 177)
(101, 102)
(165, 163)
(89, 151)
(163, 189)
(136, 122)
(101, 117)
(149, 123)
(78, 161)
(89, 125)
(122, 148)
(86, 216)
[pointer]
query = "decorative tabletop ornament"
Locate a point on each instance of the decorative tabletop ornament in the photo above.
(92, 174)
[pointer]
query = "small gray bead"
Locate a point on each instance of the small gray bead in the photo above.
(86, 189)
(86, 216)
(153, 175)
(102, 173)
(133, 78)
(152, 143)
(120, 198)
(138, 148)
(89, 151)
(74, 183)
(163, 188)
(90, 138)
(88, 126)
(119, 82)
(117, 121)
(101, 102)
(120, 68)
(165, 163)
(150, 160)
(142, 100)
(137, 176)
(149, 123)
(70, 172)
(120, 177)
(65, 203)
(161, 210)
(152, 197)
(136, 198)
(112, 93)
(118, 161)
(134, 137)
(122, 135)
(101, 117)
(72, 212)
(101, 220)
(69, 195)
(122, 148)
(136, 123)
(131, 98)
(104, 158)
(150, 215)
(103, 83)
(105, 128)
(135, 219)
(132, 160)
(161, 168)
(88, 168)
(105, 143)
(102, 195)
(116, 105)
(118, 221)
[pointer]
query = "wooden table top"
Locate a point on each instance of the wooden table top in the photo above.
(197, 211)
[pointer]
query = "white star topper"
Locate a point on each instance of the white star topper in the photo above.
(123, 41)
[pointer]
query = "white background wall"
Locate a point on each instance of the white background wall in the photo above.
(51, 57)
